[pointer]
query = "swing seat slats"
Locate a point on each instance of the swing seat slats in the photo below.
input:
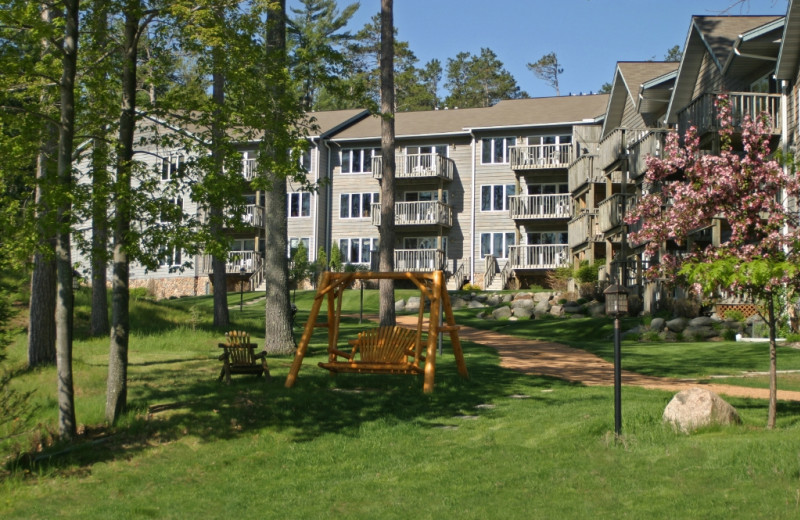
(380, 350)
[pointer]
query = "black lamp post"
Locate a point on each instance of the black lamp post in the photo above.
(617, 305)
(241, 286)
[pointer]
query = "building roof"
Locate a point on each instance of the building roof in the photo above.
(715, 36)
(789, 56)
(510, 113)
(329, 121)
(629, 80)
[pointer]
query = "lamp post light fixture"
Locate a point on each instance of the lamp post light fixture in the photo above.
(241, 286)
(617, 305)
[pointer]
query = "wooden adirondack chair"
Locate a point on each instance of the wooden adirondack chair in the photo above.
(239, 357)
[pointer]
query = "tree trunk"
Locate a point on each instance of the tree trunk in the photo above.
(42, 325)
(386, 231)
(117, 388)
(773, 365)
(219, 278)
(278, 330)
(99, 319)
(67, 427)
(98, 324)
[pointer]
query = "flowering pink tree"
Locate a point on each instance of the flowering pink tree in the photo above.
(750, 191)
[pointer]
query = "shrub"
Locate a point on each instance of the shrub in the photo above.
(559, 278)
(729, 335)
(581, 301)
(684, 307)
(734, 315)
(139, 293)
(562, 301)
(635, 305)
(470, 287)
(652, 335)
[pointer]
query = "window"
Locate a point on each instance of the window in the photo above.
(357, 205)
(547, 189)
(172, 211)
(172, 167)
(358, 160)
(294, 242)
(548, 238)
(549, 139)
(243, 244)
(170, 257)
(494, 197)
(422, 150)
(423, 243)
(299, 204)
(496, 244)
(495, 150)
(424, 196)
(357, 250)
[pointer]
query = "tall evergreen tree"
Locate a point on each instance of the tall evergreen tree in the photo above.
(479, 81)
(386, 230)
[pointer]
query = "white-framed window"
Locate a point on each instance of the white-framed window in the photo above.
(170, 257)
(299, 204)
(357, 250)
(439, 149)
(172, 167)
(294, 242)
(496, 244)
(357, 205)
(494, 197)
(358, 160)
(549, 139)
(494, 150)
(548, 238)
(173, 212)
(547, 189)
(424, 196)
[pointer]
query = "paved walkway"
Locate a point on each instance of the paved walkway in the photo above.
(572, 364)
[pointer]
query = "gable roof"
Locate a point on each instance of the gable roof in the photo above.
(789, 55)
(713, 36)
(505, 114)
(628, 84)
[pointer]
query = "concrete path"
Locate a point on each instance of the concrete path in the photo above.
(572, 364)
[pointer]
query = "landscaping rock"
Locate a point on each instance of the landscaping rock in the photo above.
(572, 308)
(657, 324)
(413, 303)
(677, 325)
(458, 303)
(494, 300)
(543, 306)
(523, 304)
(539, 313)
(501, 313)
(523, 296)
(696, 407)
(596, 309)
(557, 310)
(523, 312)
(542, 297)
(737, 326)
(508, 297)
(701, 321)
(481, 297)
(473, 304)
(399, 306)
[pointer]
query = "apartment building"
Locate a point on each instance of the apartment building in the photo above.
(504, 194)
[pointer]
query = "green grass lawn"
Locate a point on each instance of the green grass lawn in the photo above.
(499, 445)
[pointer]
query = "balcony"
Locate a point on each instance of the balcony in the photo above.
(611, 148)
(253, 216)
(584, 170)
(417, 166)
(702, 112)
(538, 256)
(541, 156)
(539, 206)
(250, 260)
(651, 144)
(417, 214)
(584, 228)
(250, 169)
(417, 260)
(611, 211)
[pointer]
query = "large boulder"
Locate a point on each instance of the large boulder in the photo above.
(524, 304)
(697, 407)
(523, 313)
(541, 297)
(557, 310)
(457, 302)
(501, 313)
(677, 325)
(692, 332)
(543, 306)
(413, 303)
(523, 296)
(701, 321)
(596, 309)
(399, 306)
(572, 308)
(508, 297)
(657, 324)
(494, 300)
(473, 304)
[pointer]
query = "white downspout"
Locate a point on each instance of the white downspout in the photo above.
(472, 215)
(785, 142)
(328, 201)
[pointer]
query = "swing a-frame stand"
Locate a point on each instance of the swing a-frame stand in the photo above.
(383, 350)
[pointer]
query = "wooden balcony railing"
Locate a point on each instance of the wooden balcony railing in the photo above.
(249, 260)
(611, 147)
(651, 144)
(540, 156)
(417, 166)
(417, 214)
(611, 211)
(538, 256)
(702, 112)
(584, 170)
(584, 228)
(540, 206)
(419, 260)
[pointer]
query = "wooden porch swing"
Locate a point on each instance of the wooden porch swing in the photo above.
(383, 350)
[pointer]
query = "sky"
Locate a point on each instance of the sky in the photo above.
(588, 36)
